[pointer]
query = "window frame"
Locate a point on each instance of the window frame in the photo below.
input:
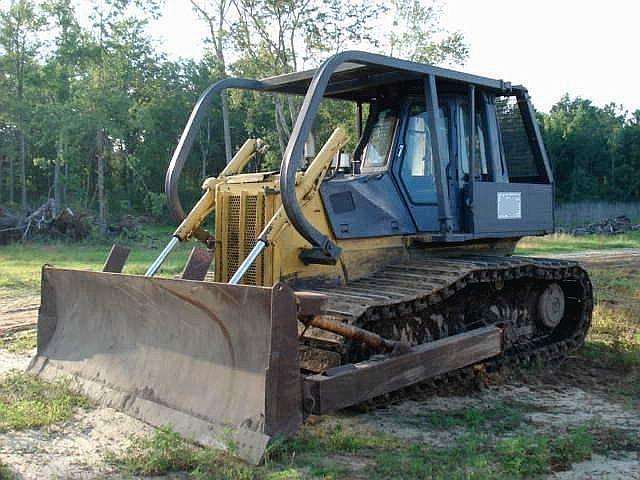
(392, 146)
(410, 102)
(480, 136)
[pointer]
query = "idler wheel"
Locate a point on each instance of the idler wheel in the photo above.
(551, 304)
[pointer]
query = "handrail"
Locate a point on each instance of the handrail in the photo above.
(189, 134)
(299, 134)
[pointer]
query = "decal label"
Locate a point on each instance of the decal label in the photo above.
(509, 205)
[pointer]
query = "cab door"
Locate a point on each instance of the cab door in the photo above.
(415, 170)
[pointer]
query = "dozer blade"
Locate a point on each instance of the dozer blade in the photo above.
(216, 362)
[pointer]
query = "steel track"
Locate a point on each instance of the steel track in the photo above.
(402, 294)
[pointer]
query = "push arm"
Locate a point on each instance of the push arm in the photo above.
(305, 190)
(191, 225)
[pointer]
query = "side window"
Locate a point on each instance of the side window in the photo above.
(480, 151)
(416, 170)
(445, 140)
(376, 152)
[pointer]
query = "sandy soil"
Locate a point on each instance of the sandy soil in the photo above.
(11, 361)
(623, 467)
(546, 408)
(74, 449)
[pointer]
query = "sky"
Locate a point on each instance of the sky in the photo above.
(584, 48)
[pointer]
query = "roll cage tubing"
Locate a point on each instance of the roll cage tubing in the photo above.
(314, 95)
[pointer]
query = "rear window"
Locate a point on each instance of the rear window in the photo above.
(518, 154)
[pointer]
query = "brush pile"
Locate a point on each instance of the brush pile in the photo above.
(44, 222)
(608, 226)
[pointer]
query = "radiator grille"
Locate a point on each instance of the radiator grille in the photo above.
(244, 222)
(251, 236)
(233, 235)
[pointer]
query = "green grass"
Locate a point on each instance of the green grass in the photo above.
(19, 342)
(613, 344)
(165, 451)
(21, 263)
(6, 473)
(28, 402)
(329, 452)
(565, 243)
(500, 417)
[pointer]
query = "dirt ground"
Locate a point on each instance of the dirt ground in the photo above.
(76, 449)
(572, 395)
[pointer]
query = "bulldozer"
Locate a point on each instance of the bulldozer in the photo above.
(348, 278)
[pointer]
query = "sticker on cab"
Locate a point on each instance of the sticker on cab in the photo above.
(509, 205)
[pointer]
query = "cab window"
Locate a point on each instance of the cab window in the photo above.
(416, 170)
(376, 151)
(480, 153)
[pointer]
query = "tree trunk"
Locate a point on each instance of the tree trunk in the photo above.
(12, 181)
(57, 190)
(23, 171)
(280, 134)
(204, 149)
(282, 120)
(293, 109)
(102, 204)
(226, 127)
(64, 183)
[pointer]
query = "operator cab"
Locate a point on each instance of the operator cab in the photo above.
(406, 165)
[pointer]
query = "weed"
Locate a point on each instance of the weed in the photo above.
(19, 342)
(499, 418)
(28, 402)
(6, 473)
(165, 451)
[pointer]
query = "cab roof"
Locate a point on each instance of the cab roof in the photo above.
(362, 81)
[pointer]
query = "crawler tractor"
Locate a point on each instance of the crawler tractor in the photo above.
(350, 278)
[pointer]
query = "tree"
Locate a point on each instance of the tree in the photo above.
(214, 13)
(417, 34)
(273, 37)
(580, 138)
(19, 26)
(65, 64)
(116, 75)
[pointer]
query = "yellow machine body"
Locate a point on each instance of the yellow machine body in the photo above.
(244, 205)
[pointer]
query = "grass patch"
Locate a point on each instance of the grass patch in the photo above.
(19, 342)
(28, 402)
(614, 338)
(165, 452)
(565, 243)
(613, 343)
(499, 418)
(527, 455)
(616, 286)
(477, 456)
(6, 473)
(331, 452)
(21, 263)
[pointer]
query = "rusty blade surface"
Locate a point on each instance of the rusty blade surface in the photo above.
(202, 357)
